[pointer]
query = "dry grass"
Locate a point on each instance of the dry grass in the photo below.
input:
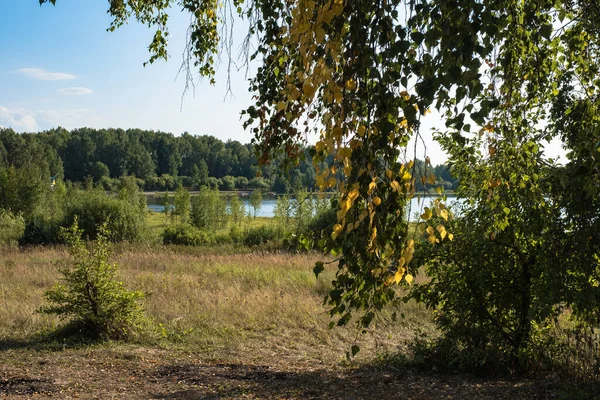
(219, 303)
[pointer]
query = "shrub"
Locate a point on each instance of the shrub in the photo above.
(41, 229)
(187, 235)
(98, 305)
(126, 220)
(12, 227)
(260, 235)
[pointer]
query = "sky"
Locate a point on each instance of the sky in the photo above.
(60, 67)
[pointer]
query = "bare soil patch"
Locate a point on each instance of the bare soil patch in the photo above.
(125, 372)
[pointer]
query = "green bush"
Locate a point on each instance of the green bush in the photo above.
(12, 227)
(260, 235)
(97, 304)
(41, 229)
(187, 235)
(126, 220)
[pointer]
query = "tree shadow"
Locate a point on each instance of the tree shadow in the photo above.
(218, 381)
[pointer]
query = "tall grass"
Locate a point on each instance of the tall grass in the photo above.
(209, 300)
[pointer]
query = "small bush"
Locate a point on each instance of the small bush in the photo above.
(12, 227)
(98, 305)
(41, 229)
(126, 220)
(187, 235)
(259, 235)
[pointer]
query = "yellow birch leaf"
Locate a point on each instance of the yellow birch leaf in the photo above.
(361, 130)
(398, 275)
(444, 214)
(401, 262)
(430, 230)
(372, 186)
(442, 230)
(395, 185)
(450, 237)
(376, 201)
(432, 239)
(427, 214)
(409, 278)
(351, 84)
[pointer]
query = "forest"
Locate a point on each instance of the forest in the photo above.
(161, 161)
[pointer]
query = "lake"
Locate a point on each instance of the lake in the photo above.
(268, 205)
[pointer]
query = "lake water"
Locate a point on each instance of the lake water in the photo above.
(268, 205)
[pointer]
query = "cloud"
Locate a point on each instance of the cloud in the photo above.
(74, 91)
(43, 75)
(22, 120)
(18, 119)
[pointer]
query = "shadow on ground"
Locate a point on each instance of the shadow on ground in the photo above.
(233, 381)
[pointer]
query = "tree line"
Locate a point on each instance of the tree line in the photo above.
(160, 160)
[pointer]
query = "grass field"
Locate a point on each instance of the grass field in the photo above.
(229, 323)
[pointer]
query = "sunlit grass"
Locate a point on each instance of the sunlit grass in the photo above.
(214, 300)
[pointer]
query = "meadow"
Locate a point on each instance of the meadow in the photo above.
(223, 322)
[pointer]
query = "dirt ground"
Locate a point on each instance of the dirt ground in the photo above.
(126, 372)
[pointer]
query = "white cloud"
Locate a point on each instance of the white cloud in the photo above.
(74, 91)
(18, 119)
(43, 75)
(22, 120)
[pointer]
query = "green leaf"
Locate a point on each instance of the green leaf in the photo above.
(318, 268)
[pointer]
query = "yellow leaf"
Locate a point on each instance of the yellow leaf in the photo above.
(308, 89)
(281, 106)
(409, 278)
(320, 146)
(429, 230)
(372, 186)
(351, 84)
(361, 130)
(406, 176)
(389, 173)
(427, 214)
(410, 164)
(432, 239)
(450, 237)
(442, 230)
(395, 185)
(337, 228)
(376, 201)
(398, 275)
(444, 214)
(353, 194)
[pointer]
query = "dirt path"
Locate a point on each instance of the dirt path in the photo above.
(140, 373)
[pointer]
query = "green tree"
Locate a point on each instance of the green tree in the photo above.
(181, 204)
(255, 200)
(236, 210)
(208, 210)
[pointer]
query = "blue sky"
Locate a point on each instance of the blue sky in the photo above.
(60, 67)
